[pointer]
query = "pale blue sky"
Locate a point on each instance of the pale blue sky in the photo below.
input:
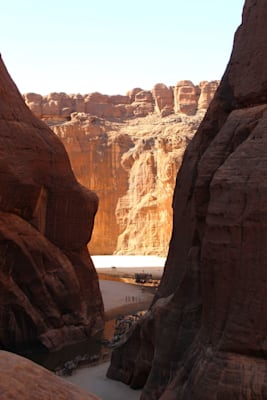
(112, 46)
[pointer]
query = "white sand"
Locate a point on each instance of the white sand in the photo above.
(94, 380)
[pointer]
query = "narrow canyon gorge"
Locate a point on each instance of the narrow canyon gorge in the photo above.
(100, 172)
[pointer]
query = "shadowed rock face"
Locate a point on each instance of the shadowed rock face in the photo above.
(49, 290)
(22, 379)
(204, 337)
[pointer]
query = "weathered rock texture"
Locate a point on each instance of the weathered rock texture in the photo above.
(204, 337)
(185, 98)
(22, 379)
(128, 150)
(49, 292)
(132, 168)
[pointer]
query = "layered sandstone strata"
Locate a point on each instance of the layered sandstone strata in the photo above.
(22, 379)
(204, 337)
(128, 150)
(49, 293)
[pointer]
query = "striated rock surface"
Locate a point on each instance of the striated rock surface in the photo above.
(95, 147)
(22, 379)
(207, 90)
(132, 166)
(186, 97)
(49, 293)
(128, 150)
(144, 213)
(204, 337)
(164, 100)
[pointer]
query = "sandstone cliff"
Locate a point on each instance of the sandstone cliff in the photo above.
(204, 337)
(49, 292)
(128, 149)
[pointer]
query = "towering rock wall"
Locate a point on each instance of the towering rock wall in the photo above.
(204, 337)
(49, 292)
(95, 148)
(144, 213)
(128, 150)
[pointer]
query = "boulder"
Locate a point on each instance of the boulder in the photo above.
(22, 379)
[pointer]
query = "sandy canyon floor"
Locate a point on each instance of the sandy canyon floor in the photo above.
(118, 297)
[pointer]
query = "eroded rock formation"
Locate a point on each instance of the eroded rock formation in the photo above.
(184, 98)
(204, 337)
(49, 292)
(132, 167)
(22, 379)
(95, 147)
(128, 150)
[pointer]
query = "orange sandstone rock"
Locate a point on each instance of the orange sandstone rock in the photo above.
(186, 98)
(164, 101)
(207, 91)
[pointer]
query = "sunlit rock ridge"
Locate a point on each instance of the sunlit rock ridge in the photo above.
(128, 149)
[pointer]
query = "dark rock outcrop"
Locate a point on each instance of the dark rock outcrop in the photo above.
(49, 293)
(22, 379)
(204, 337)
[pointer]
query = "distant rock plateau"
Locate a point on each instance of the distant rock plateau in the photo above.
(128, 150)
